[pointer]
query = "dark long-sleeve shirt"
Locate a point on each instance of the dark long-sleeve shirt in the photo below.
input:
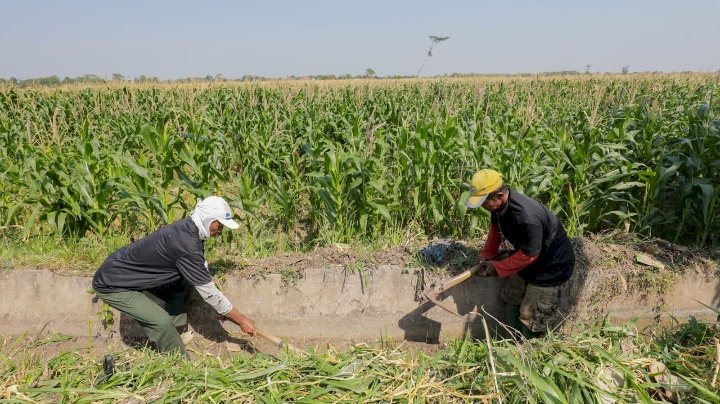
(542, 254)
(162, 257)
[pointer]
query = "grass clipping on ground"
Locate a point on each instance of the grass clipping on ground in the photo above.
(603, 363)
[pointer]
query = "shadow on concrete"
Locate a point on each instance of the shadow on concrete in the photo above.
(208, 323)
(464, 303)
(478, 298)
(486, 304)
(420, 328)
(202, 319)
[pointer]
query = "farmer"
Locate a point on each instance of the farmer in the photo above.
(541, 257)
(164, 263)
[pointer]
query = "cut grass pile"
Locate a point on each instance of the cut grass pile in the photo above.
(603, 363)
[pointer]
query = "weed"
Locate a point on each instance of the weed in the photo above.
(289, 276)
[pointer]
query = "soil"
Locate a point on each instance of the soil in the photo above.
(459, 256)
(49, 346)
(334, 255)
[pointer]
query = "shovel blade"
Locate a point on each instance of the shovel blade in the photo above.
(433, 295)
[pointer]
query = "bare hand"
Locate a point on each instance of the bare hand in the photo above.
(247, 326)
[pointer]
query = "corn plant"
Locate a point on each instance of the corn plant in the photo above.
(351, 160)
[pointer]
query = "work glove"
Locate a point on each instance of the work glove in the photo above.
(487, 268)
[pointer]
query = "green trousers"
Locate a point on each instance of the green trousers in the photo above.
(160, 325)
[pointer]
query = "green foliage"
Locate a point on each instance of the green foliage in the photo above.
(106, 316)
(289, 276)
(555, 369)
(354, 161)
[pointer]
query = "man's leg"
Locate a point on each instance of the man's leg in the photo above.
(175, 297)
(539, 309)
(512, 294)
(155, 321)
(176, 305)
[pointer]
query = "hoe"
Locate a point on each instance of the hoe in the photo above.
(435, 295)
(280, 343)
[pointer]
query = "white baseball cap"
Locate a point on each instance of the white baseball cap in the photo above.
(216, 208)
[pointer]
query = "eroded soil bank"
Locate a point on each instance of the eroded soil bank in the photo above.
(333, 296)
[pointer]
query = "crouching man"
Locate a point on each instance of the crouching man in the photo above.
(166, 263)
(541, 257)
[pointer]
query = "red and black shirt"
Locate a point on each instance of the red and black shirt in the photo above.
(541, 251)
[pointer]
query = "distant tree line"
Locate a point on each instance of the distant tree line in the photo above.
(85, 79)
(369, 74)
(119, 78)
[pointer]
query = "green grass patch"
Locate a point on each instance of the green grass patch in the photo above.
(602, 362)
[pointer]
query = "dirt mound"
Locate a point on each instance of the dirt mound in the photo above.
(602, 254)
(448, 257)
(336, 255)
(620, 266)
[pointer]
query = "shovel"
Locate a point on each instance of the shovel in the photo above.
(435, 294)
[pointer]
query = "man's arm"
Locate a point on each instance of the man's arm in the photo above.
(193, 267)
(492, 243)
(526, 253)
(246, 324)
(215, 298)
(514, 263)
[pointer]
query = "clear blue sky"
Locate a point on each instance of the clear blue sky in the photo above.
(176, 39)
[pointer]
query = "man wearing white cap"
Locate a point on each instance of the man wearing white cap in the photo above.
(541, 257)
(163, 264)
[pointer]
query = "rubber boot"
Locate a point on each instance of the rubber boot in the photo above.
(108, 365)
(528, 334)
(512, 316)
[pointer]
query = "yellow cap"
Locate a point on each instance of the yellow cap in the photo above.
(483, 183)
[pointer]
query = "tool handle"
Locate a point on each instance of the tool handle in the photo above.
(275, 340)
(460, 278)
(280, 343)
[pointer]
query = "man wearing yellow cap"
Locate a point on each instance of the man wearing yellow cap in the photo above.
(541, 256)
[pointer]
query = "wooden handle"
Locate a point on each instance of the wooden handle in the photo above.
(280, 343)
(460, 278)
(275, 340)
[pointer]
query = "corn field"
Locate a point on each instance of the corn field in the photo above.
(356, 159)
